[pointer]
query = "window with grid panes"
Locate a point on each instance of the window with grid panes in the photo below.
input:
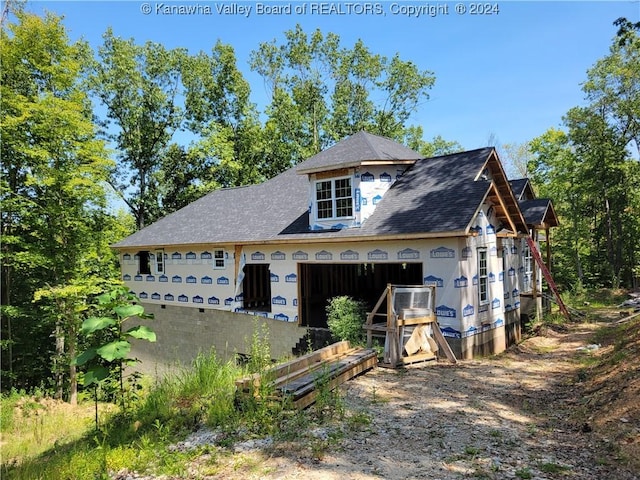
(483, 278)
(334, 198)
(218, 259)
(159, 261)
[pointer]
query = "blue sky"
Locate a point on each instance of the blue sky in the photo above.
(511, 74)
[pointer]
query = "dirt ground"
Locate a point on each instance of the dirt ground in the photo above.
(535, 412)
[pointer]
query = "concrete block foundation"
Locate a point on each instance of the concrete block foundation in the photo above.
(184, 332)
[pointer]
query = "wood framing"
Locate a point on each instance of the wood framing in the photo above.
(297, 381)
(425, 340)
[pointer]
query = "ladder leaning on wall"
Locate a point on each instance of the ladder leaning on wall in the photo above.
(547, 276)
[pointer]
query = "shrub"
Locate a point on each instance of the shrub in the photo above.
(345, 317)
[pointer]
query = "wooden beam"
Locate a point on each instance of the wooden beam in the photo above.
(299, 380)
(237, 253)
(443, 344)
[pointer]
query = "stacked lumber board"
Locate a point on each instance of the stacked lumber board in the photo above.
(298, 380)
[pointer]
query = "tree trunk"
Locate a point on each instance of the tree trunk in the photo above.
(59, 376)
(73, 378)
(576, 243)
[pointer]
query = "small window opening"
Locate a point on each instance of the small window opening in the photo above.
(144, 265)
(218, 259)
(256, 287)
(334, 198)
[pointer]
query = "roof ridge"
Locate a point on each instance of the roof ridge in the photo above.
(460, 153)
(366, 135)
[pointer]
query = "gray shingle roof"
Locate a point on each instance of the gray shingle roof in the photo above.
(517, 186)
(355, 149)
(230, 215)
(435, 195)
(538, 211)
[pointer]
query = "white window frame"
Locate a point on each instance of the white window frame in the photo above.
(483, 276)
(527, 263)
(527, 260)
(219, 258)
(333, 199)
(158, 263)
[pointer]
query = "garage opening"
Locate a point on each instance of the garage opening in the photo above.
(364, 281)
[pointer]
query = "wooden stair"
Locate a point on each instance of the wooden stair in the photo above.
(298, 380)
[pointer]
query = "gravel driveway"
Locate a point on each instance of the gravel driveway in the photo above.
(511, 416)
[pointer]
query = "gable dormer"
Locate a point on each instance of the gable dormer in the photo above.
(348, 180)
(522, 189)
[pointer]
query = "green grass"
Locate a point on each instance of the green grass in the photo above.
(47, 439)
(595, 298)
(62, 442)
(31, 425)
(524, 473)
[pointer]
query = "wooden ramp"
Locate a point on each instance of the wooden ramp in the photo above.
(298, 380)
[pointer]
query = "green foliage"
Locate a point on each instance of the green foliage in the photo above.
(109, 344)
(413, 138)
(139, 86)
(345, 318)
(322, 92)
(149, 93)
(55, 232)
(260, 349)
(592, 175)
(185, 398)
(329, 404)
(179, 402)
(551, 467)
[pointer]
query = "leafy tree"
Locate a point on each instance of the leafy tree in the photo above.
(322, 92)
(220, 112)
(66, 305)
(51, 186)
(590, 169)
(556, 173)
(151, 92)
(413, 138)
(111, 349)
(140, 87)
(516, 158)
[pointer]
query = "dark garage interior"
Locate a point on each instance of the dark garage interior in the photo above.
(362, 281)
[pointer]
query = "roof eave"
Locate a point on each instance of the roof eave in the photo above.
(355, 164)
(325, 168)
(298, 239)
(502, 184)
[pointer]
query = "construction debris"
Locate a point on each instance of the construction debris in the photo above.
(298, 380)
(633, 302)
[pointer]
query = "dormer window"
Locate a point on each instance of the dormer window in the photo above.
(334, 198)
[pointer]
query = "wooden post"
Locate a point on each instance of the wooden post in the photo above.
(534, 280)
(391, 330)
(370, 318)
(236, 257)
(548, 249)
